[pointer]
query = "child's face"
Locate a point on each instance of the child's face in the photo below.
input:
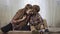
(34, 11)
(30, 11)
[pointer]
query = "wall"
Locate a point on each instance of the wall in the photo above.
(7, 10)
(54, 11)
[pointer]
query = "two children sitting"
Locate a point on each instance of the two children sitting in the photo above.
(30, 15)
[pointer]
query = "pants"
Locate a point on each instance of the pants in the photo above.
(9, 27)
(25, 28)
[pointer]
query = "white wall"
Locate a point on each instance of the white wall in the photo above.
(7, 10)
(54, 12)
(50, 10)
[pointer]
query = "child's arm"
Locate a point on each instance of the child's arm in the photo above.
(40, 21)
(24, 17)
(22, 23)
(17, 15)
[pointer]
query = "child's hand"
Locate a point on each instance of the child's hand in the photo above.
(24, 17)
(42, 27)
(13, 22)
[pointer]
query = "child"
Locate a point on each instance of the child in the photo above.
(17, 19)
(20, 22)
(36, 20)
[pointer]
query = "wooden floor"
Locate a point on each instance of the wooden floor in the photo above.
(28, 32)
(18, 32)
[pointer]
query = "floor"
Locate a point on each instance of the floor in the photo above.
(28, 32)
